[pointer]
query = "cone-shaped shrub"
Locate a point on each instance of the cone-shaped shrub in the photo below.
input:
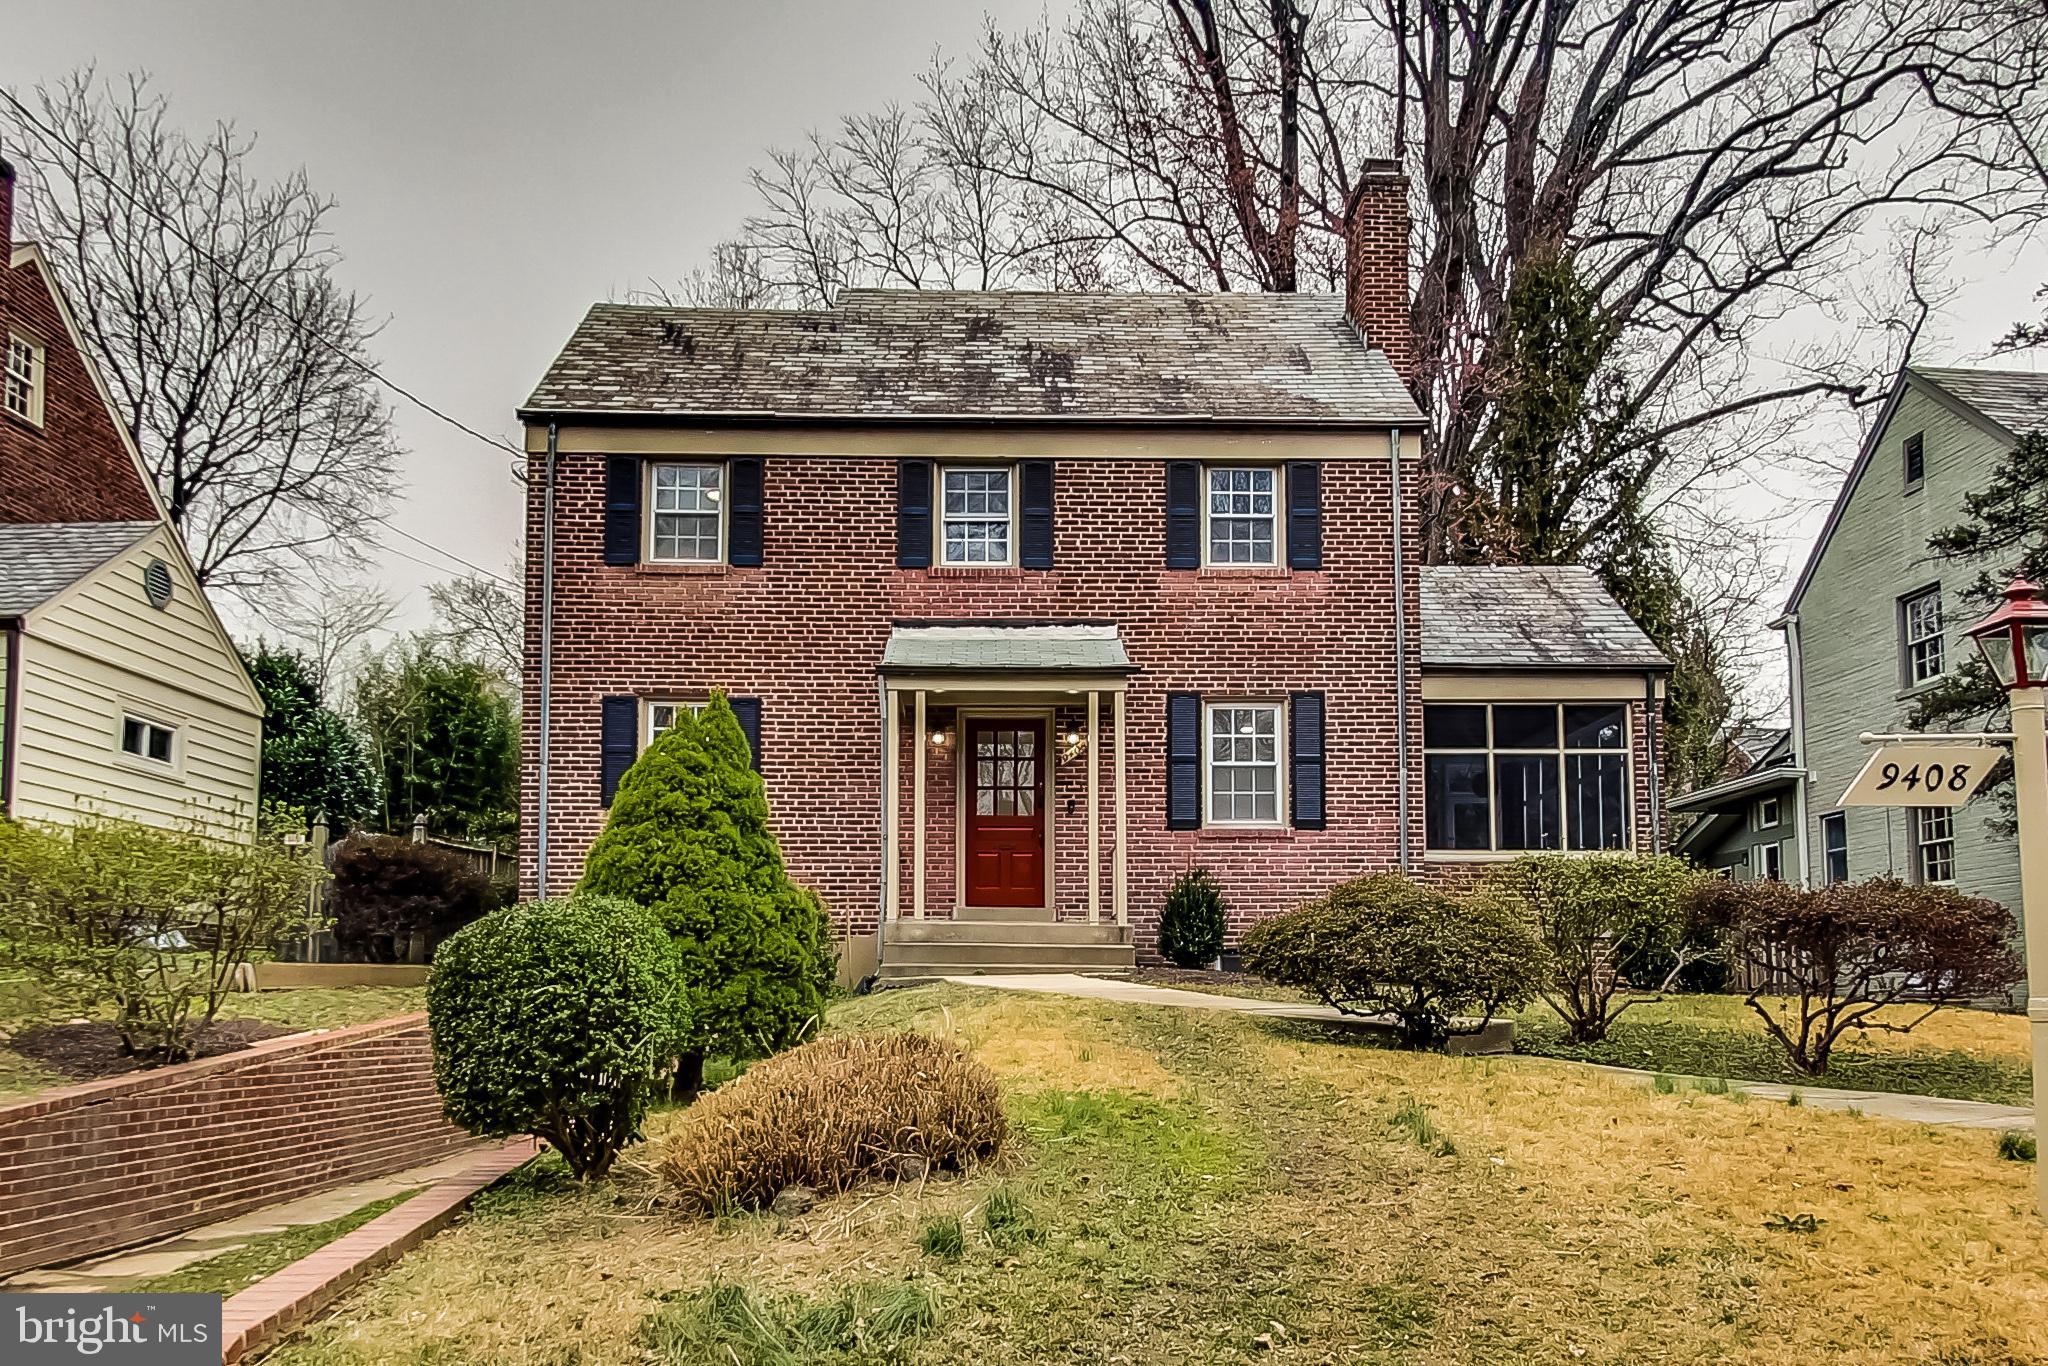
(688, 839)
(557, 1019)
(1191, 923)
(830, 1114)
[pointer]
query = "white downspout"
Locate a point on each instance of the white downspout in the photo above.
(547, 659)
(1796, 681)
(1400, 653)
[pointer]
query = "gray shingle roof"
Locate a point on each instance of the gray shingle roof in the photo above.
(2016, 400)
(1527, 616)
(998, 649)
(39, 560)
(932, 354)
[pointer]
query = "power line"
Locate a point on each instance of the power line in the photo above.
(388, 525)
(135, 201)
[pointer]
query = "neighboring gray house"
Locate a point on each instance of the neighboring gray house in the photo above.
(1876, 619)
(1747, 824)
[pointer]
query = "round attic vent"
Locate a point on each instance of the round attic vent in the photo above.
(156, 583)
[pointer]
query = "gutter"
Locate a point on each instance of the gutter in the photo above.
(547, 660)
(783, 418)
(9, 732)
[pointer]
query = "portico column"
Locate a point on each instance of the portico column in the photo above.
(1094, 812)
(892, 701)
(917, 812)
(1119, 899)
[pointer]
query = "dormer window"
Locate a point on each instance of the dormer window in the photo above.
(21, 391)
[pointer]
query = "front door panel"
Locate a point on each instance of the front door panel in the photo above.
(1005, 795)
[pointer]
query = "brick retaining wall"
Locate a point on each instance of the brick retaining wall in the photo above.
(107, 1164)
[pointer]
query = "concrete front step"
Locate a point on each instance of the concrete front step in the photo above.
(939, 948)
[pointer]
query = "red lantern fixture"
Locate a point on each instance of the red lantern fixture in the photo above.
(2014, 638)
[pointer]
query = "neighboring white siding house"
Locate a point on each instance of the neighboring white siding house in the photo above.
(125, 697)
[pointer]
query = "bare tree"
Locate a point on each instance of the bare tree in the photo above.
(207, 295)
(483, 617)
(326, 623)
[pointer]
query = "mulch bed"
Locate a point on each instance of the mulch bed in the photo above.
(1174, 977)
(87, 1052)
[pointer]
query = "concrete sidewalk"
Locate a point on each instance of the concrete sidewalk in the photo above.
(1967, 1114)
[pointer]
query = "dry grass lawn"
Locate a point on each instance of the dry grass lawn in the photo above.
(1186, 1184)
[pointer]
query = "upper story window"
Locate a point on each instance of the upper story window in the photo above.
(686, 513)
(659, 713)
(1921, 654)
(1243, 514)
(1244, 763)
(1769, 812)
(142, 738)
(1515, 776)
(1834, 847)
(1913, 455)
(1934, 843)
(21, 391)
(976, 516)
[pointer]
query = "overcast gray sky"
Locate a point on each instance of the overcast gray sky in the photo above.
(500, 166)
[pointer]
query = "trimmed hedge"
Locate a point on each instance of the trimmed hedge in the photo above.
(557, 1019)
(830, 1114)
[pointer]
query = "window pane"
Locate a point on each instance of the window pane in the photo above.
(131, 735)
(1454, 727)
(159, 744)
(1525, 727)
(1834, 838)
(1241, 516)
(1244, 765)
(1526, 799)
(1597, 790)
(975, 527)
(1595, 727)
(1455, 802)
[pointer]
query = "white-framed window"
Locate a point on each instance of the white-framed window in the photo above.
(1834, 847)
(657, 714)
(1769, 812)
(1922, 657)
(21, 389)
(1934, 843)
(1507, 777)
(148, 740)
(1242, 514)
(1769, 861)
(1245, 778)
(686, 513)
(977, 515)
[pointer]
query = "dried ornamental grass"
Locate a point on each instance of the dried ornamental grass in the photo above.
(831, 1114)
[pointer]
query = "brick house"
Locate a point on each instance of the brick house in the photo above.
(1029, 602)
(123, 695)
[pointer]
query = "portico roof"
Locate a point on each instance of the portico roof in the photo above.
(995, 648)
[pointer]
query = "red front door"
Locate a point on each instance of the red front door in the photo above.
(1005, 794)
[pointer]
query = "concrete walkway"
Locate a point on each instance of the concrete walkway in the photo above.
(1967, 1114)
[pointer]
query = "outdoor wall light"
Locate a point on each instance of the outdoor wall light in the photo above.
(942, 738)
(1070, 746)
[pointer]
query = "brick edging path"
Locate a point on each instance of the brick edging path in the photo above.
(288, 1299)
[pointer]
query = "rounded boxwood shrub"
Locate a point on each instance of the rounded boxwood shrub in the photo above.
(557, 1019)
(1384, 945)
(1191, 924)
(688, 838)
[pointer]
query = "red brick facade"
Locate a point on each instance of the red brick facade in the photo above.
(73, 466)
(104, 1165)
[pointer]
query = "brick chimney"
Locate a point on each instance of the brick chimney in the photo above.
(1376, 263)
(6, 211)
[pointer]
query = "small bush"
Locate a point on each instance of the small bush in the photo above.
(387, 890)
(555, 1018)
(1384, 945)
(2017, 1146)
(723, 1324)
(1603, 920)
(830, 1114)
(1843, 953)
(1191, 925)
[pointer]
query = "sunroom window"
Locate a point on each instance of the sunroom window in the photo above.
(1508, 777)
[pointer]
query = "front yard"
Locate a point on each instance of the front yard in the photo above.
(1187, 1186)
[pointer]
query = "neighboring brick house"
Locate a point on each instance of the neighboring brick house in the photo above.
(123, 695)
(1094, 588)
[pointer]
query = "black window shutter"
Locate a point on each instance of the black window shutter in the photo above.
(622, 509)
(1305, 744)
(913, 514)
(1305, 515)
(1183, 514)
(1183, 761)
(1034, 532)
(618, 743)
(747, 711)
(743, 523)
